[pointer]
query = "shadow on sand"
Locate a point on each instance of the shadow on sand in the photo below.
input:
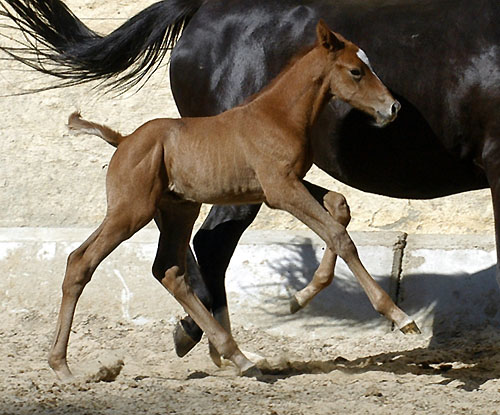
(463, 313)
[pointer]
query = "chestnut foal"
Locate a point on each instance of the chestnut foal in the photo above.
(257, 152)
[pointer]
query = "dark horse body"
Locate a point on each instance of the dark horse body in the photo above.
(440, 58)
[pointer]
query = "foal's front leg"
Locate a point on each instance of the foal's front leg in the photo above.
(337, 207)
(289, 194)
(322, 278)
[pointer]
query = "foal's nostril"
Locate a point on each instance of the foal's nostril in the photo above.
(395, 107)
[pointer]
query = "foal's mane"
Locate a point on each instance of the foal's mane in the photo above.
(304, 51)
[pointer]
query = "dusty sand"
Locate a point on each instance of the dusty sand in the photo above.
(389, 374)
(49, 178)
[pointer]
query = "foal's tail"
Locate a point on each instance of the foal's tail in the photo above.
(54, 41)
(77, 123)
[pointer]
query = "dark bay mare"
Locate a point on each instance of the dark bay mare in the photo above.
(440, 58)
(253, 153)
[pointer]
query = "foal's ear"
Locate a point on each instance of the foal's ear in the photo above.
(327, 38)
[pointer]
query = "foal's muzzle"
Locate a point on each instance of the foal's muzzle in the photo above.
(385, 117)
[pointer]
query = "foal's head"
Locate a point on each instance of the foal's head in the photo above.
(352, 79)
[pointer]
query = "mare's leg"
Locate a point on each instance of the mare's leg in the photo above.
(337, 207)
(491, 165)
(214, 245)
(291, 195)
(176, 220)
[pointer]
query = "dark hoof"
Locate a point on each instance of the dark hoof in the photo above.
(411, 328)
(183, 342)
(294, 305)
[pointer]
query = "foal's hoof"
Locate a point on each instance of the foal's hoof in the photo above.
(65, 376)
(183, 342)
(61, 369)
(251, 372)
(411, 328)
(294, 305)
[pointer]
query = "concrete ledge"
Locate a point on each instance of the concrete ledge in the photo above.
(449, 282)
(446, 282)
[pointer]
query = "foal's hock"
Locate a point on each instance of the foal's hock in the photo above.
(257, 152)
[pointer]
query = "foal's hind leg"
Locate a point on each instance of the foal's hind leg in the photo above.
(175, 221)
(132, 193)
(336, 205)
(214, 245)
(80, 266)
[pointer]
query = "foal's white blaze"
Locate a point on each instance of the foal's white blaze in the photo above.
(362, 55)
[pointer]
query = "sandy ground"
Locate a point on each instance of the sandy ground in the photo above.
(389, 374)
(49, 178)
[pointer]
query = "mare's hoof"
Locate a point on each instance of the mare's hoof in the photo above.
(411, 328)
(251, 372)
(183, 342)
(294, 305)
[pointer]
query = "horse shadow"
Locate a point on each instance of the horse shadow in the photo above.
(469, 366)
(460, 313)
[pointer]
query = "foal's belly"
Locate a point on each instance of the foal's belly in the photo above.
(210, 193)
(214, 180)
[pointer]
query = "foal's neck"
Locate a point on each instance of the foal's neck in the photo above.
(298, 94)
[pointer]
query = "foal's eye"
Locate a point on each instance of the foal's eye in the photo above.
(356, 73)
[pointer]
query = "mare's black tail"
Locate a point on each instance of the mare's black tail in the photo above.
(57, 43)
